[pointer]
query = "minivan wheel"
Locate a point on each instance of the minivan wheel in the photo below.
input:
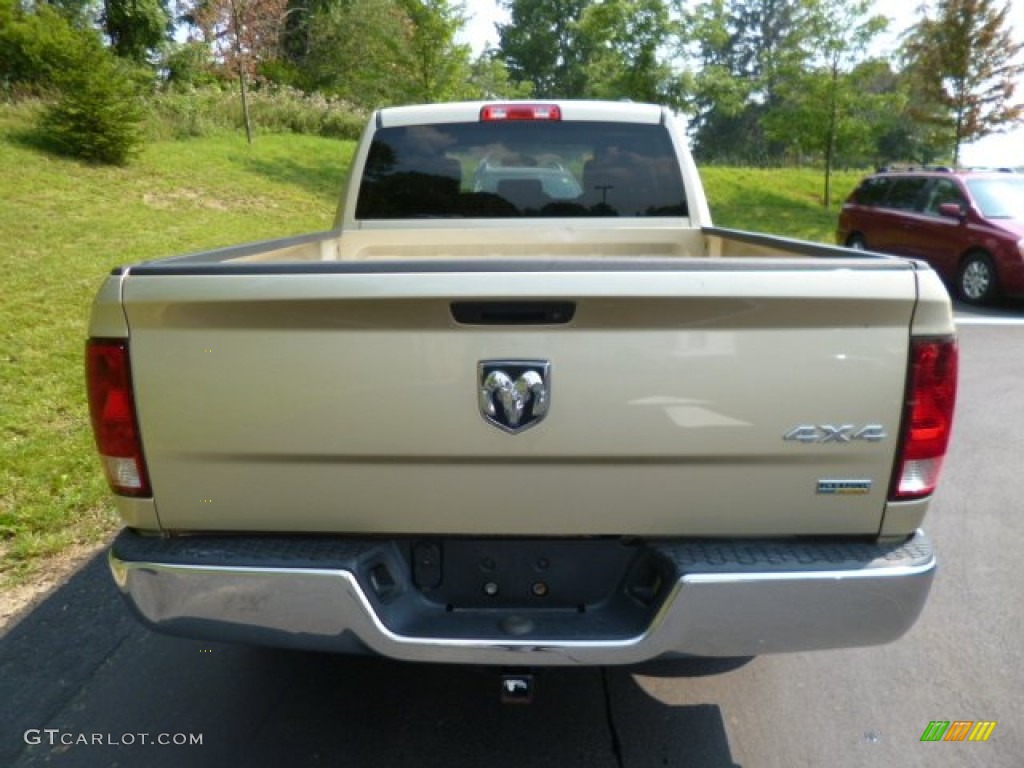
(977, 284)
(856, 242)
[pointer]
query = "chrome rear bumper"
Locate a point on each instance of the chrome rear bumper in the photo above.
(726, 598)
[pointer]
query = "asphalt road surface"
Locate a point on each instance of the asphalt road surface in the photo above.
(78, 669)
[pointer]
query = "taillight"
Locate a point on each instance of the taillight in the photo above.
(498, 112)
(927, 418)
(114, 421)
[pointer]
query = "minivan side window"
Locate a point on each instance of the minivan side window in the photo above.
(905, 194)
(943, 191)
(872, 191)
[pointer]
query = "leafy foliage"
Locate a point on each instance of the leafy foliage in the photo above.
(241, 33)
(177, 113)
(438, 66)
(36, 48)
(622, 40)
(765, 82)
(136, 28)
(189, 65)
(965, 65)
(96, 116)
(614, 49)
(355, 52)
(824, 107)
(489, 79)
(543, 46)
(373, 53)
(748, 51)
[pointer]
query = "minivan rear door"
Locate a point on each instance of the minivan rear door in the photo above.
(893, 225)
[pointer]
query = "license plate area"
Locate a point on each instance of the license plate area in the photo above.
(499, 587)
(464, 574)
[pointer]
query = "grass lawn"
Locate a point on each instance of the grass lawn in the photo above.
(64, 225)
(777, 201)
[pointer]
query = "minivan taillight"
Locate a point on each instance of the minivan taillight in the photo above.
(927, 418)
(114, 421)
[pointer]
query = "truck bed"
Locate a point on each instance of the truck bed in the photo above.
(474, 240)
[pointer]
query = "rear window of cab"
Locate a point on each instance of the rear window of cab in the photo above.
(521, 169)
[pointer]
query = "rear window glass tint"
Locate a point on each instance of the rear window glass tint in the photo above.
(905, 194)
(872, 191)
(514, 169)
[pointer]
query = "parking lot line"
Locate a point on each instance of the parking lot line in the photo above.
(981, 320)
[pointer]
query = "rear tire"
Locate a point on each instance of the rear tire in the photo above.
(856, 242)
(977, 282)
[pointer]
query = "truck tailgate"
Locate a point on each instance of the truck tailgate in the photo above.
(346, 397)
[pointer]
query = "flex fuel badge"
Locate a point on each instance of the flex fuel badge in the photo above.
(844, 487)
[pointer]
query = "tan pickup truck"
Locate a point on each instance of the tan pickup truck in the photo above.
(525, 405)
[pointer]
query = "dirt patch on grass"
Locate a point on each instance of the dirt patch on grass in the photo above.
(192, 199)
(17, 599)
(184, 198)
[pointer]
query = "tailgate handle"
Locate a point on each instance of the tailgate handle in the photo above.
(513, 312)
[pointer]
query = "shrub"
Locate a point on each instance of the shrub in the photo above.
(188, 65)
(188, 112)
(96, 116)
(35, 47)
(341, 124)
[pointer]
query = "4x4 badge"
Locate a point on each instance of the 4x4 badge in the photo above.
(832, 433)
(514, 394)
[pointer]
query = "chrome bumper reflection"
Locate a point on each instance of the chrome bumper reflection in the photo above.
(742, 613)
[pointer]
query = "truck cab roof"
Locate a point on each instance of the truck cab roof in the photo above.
(473, 111)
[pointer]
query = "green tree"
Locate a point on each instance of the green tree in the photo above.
(373, 53)
(542, 45)
(96, 115)
(136, 28)
(747, 51)
(356, 51)
(296, 31)
(965, 64)
(188, 64)
(622, 41)
(824, 107)
(902, 136)
(242, 34)
(36, 46)
(438, 67)
(489, 79)
(81, 14)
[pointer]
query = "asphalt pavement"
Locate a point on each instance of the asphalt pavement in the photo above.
(81, 684)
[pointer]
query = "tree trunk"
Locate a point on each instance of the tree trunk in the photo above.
(245, 103)
(830, 138)
(236, 21)
(958, 138)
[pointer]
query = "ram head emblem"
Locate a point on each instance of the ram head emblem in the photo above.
(514, 394)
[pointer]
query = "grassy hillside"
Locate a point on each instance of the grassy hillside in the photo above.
(64, 225)
(778, 201)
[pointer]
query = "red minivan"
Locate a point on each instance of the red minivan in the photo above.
(968, 225)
